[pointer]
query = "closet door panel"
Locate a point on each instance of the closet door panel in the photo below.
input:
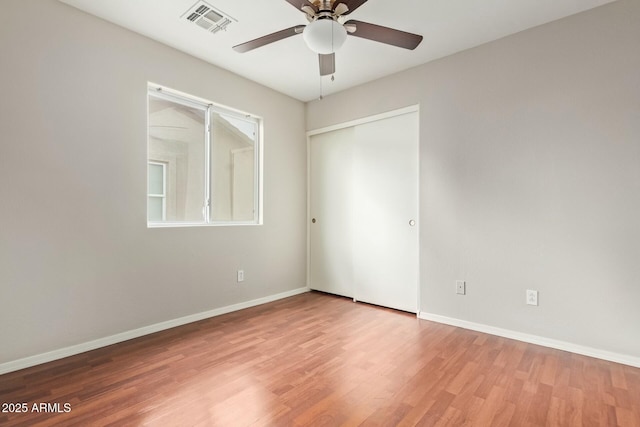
(331, 212)
(385, 230)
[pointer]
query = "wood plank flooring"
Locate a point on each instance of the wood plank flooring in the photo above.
(321, 360)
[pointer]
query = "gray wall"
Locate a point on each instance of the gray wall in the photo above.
(77, 261)
(530, 176)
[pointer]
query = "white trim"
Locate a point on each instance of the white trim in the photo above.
(369, 119)
(192, 100)
(534, 339)
(206, 209)
(418, 219)
(136, 333)
(185, 100)
(199, 224)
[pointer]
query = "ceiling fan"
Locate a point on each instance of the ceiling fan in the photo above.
(328, 28)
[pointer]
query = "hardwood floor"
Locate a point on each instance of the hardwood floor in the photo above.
(316, 359)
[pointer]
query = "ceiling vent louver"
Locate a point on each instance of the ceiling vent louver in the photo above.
(208, 17)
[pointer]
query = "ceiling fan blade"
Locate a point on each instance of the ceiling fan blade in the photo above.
(298, 4)
(351, 5)
(327, 64)
(270, 38)
(385, 35)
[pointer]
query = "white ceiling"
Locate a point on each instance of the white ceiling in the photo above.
(288, 66)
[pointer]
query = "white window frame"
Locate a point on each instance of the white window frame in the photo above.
(165, 93)
(163, 195)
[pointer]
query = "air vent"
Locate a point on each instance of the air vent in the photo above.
(208, 17)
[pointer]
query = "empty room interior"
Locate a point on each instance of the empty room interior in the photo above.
(344, 212)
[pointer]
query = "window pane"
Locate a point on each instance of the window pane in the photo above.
(233, 168)
(154, 209)
(177, 139)
(156, 179)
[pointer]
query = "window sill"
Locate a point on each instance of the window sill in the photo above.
(200, 224)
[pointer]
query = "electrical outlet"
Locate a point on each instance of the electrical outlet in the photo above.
(532, 297)
(461, 288)
(240, 275)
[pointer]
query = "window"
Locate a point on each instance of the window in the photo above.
(157, 197)
(202, 163)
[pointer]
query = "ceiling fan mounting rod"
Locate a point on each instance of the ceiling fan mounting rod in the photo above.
(324, 5)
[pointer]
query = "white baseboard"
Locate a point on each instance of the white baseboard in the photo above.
(534, 339)
(27, 362)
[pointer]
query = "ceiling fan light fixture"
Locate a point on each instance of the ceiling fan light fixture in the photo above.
(324, 36)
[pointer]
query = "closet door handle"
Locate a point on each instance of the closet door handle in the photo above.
(313, 220)
(412, 222)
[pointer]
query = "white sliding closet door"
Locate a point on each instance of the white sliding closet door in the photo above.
(331, 241)
(385, 173)
(364, 198)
